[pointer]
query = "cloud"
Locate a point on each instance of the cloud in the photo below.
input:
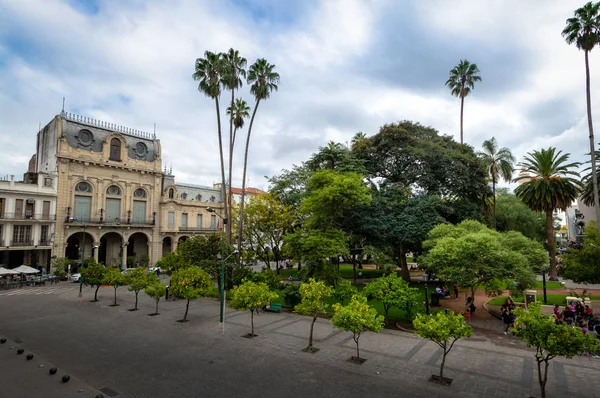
(346, 66)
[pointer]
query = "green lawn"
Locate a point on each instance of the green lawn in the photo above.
(550, 285)
(553, 299)
(346, 272)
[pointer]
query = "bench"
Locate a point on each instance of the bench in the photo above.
(292, 278)
(273, 307)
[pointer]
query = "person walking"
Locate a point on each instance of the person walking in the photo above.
(456, 290)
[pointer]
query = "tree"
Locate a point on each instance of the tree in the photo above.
(392, 292)
(114, 278)
(208, 72)
(137, 280)
(313, 296)
(513, 215)
(583, 265)
(173, 262)
(357, 317)
(93, 275)
(460, 82)
(473, 255)
(156, 290)
(344, 290)
(251, 296)
(587, 195)
(231, 78)
(263, 81)
(60, 266)
(550, 339)
(582, 30)
(190, 284)
(547, 184)
(444, 329)
(499, 163)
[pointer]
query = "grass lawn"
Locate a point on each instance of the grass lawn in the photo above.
(550, 285)
(553, 299)
(346, 272)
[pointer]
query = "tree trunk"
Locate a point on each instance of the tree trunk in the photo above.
(136, 301)
(550, 245)
(357, 351)
(241, 221)
(310, 337)
(494, 198)
(473, 290)
(115, 303)
(223, 191)
(592, 143)
(442, 366)
(157, 306)
(229, 200)
(252, 323)
(402, 262)
(187, 306)
(96, 293)
(542, 379)
(354, 268)
(462, 108)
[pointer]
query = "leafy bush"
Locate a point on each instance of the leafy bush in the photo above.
(239, 274)
(269, 277)
(291, 295)
(60, 266)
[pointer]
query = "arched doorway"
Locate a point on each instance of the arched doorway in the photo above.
(75, 243)
(181, 239)
(137, 250)
(167, 245)
(109, 252)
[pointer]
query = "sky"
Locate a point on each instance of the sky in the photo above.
(346, 66)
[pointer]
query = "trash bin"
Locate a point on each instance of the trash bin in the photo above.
(530, 297)
(435, 299)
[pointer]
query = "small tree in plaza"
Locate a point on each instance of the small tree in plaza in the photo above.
(392, 291)
(444, 329)
(550, 340)
(116, 279)
(137, 280)
(357, 317)
(155, 289)
(60, 266)
(93, 275)
(313, 296)
(344, 290)
(251, 296)
(189, 284)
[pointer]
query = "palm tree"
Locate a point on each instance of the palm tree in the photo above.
(233, 71)
(587, 196)
(461, 81)
(583, 30)
(263, 80)
(208, 73)
(547, 185)
(499, 163)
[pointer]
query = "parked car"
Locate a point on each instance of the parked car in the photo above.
(127, 270)
(75, 277)
(154, 269)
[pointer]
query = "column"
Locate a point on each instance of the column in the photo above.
(150, 254)
(124, 257)
(96, 251)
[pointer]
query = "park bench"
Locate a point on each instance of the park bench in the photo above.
(294, 278)
(273, 307)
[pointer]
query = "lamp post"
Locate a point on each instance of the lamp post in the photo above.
(82, 257)
(122, 245)
(222, 287)
(426, 299)
(544, 270)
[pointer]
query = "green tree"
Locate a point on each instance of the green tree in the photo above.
(313, 303)
(391, 291)
(137, 280)
(172, 262)
(60, 266)
(513, 215)
(190, 284)
(473, 255)
(460, 82)
(251, 296)
(583, 265)
(444, 329)
(344, 290)
(93, 275)
(156, 290)
(263, 80)
(208, 72)
(550, 339)
(114, 278)
(582, 30)
(268, 277)
(547, 184)
(587, 195)
(357, 317)
(500, 164)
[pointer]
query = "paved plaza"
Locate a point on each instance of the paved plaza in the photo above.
(132, 354)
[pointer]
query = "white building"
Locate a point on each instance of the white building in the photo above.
(27, 219)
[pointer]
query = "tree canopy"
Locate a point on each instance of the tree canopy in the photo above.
(251, 296)
(189, 284)
(313, 295)
(583, 265)
(392, 291)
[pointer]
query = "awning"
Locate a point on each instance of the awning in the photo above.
(4, 271)
(25, 269)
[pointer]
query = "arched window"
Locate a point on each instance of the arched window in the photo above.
(113, 190)
(83, 187)
(115, 149)
(139, 193)
(199, 198)
(212, 199)
(184, 196)
(171, 193)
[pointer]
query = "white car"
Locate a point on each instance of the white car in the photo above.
(154, 269)
(75, 277)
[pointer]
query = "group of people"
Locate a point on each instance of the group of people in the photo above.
(508, 318)
(575, 314)
(444, 292)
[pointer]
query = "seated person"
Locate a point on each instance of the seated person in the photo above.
(589, 314)
(439, 291)
(445, 291)
(557, 312)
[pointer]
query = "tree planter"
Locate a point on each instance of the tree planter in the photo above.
(154, 314)
(182, 321)
(310, 350)
(444, 381)
(249, 336)
(356, 360)
(133, 309)
(114, 305)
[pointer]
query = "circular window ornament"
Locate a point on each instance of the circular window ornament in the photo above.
(113, 190)
(139, 193)
(83, 187)
(85, 137)
(141, 149)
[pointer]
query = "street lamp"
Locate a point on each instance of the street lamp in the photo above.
(223, 259)
(82, 255)
(544, 271)
(123, 244)
(426, 299)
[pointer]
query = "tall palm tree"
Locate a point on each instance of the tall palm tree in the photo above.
(583, 30)
(239, 113)
(208, 72)
(547, 185)
(263, 81)
(234, 69)
(461, 81)
(500, 164)
(587, 196)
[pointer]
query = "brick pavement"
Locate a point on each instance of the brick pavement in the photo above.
(137, 355)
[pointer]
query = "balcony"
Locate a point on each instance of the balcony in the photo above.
(197, 229)
(44, 242)
(20, 243)
(110, 223)
(25, 217)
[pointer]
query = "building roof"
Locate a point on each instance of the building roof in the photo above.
(249, 191)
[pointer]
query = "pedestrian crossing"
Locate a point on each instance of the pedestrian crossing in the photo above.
(37, 291)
